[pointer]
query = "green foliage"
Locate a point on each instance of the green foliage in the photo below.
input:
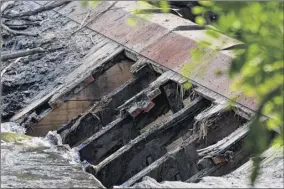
(258, 69)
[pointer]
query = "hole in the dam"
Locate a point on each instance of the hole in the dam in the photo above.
(154, 143)
(105, 111)
(218, 126)
(142, 156)
(112, 78)
(119, 132)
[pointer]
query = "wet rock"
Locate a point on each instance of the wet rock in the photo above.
(53, 138)
(40, 166)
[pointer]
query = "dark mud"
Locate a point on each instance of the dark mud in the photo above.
(33, 76)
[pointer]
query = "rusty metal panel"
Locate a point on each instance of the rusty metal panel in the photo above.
(113, 25)
(248, 102)
(111, 21)
(171, 50)
(156, 41)
(207, 74)
(220, 42)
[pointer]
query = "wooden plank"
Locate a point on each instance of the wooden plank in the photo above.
(184, 155)
(227, 142)
(121, 132)
(233, 141)
(73, 85)
(127, 160)
(173, 96)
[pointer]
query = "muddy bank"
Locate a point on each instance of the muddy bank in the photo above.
(31, 77)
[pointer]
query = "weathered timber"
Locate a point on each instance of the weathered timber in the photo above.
(6, 5)
(178, 164)
(102, 52)
(69, 91)
(204, 172)
(83, 128)
(9, 66)
(215, 119)
(41, 9)
(121, 131)
(142, 79)
(93, 70)
(225, 143)
(241, 156)
(149, 146)
(68, 125)
(173, 96)
(7, 56)
(17, 33)
(211, 95)
(105, 109)
(153, 90)
(234, 143)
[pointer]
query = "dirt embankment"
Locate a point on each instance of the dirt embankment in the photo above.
(30, 77)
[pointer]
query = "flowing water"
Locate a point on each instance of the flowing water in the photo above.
(40, 162)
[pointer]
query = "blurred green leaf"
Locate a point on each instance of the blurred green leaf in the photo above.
(200, 20)
(131, 21)
(94, 3)
(206, 3)
(84, 3)
(198, 10)
(187, 85)
(165, 6)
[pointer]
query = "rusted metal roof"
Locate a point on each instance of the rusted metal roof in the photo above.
(158, 41)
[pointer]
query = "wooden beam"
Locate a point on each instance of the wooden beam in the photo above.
(233, 143)
(132, 157)
(104, 110)
(173, 96)
(120, 132)
(177, 164)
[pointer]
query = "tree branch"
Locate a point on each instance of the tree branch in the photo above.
(41, 9)
(17, 32)
(5, 5)
(12, 55)
(9, 66)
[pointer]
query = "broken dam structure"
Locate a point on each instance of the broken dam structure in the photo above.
(115, 96)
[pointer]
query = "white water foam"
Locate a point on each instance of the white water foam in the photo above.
(52, 141)
(12, 127)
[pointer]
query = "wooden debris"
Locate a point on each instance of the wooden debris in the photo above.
(18, 32)
(84, 24)
(21, 53)
(41, 9)
(6, 5)
(9, 66)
